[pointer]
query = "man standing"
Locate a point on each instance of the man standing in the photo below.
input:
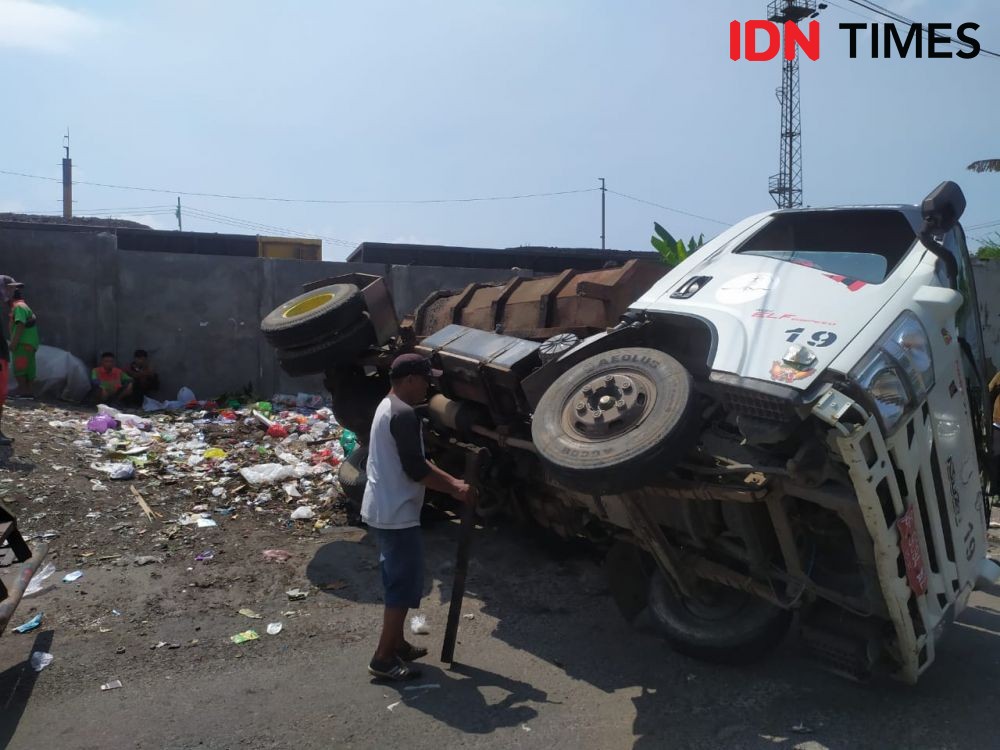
(23, 338)
(110, 382)
(398, 472)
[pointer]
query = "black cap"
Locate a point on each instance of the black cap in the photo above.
(412, 364)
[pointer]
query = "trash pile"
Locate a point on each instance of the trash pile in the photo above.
(277, 457)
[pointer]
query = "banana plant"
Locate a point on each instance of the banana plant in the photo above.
(671, 250)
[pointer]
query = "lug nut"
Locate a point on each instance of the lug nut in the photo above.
(621, 405)
(626, 385)
(587, 390)
(581, 407)
(610, 380)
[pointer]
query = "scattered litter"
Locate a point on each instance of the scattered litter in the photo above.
(206, 523)
(113, 685)
(214, 454)
(148, 560)
(276, 555)
(428, 686)
(273, 628)
(296, 594)
(525, 727)
(250, 613)
(205, 556)
(40, 660)
(393, 705)
(470, 616)
(801, 728)
(38, 580)
(30, 625)
(418, 625)
(70, 577)
(994, 525)
(246, 635)
(303, 513)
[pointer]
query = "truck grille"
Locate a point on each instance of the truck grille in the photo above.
(755, 404)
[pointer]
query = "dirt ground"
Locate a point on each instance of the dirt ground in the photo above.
(546, 661)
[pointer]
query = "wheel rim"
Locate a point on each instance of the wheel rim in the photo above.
(308, 305)
(608, 405)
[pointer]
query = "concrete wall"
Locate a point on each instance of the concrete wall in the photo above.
(197, 315)
(71, 281)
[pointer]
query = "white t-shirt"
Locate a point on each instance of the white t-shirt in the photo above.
(396, 464)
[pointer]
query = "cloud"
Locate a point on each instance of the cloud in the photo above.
(43, 27)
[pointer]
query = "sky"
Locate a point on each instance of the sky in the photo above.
(380, 106)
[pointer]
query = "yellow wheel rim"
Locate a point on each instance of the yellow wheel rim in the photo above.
(307, 305)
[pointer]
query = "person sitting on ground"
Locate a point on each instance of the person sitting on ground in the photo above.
(111, 383)
(145, 379)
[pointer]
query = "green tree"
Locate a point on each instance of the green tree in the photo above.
(673, 251)
(990, 248)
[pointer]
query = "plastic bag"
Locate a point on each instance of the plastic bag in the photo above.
(101, 423)
(214, 454)
(277, 431)
(267, 473)
(348, 441)
(40, 660)
(303, 513)
(185, 395)
(418, 625)
(121, 471)
(37, 582)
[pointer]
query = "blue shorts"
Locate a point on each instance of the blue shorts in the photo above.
(401, 559)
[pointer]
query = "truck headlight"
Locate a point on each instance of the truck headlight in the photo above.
(898, 370)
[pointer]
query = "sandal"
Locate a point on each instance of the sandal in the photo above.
(395, 671)
(409, 652)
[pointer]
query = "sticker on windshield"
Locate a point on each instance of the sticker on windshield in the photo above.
(852, 284)
(745, 288)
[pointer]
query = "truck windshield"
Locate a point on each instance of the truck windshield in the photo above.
(862, 244)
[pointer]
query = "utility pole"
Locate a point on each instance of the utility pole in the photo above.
(177, 213)
(67, 180)
(603, 191)
(786, 186)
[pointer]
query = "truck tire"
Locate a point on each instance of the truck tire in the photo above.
(353, 478)
(724, 625)
(313, 316)
(616, 421)
(341, 349)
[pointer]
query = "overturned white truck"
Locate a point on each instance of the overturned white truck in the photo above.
(792, 422)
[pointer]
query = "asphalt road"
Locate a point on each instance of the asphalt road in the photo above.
(546, 662)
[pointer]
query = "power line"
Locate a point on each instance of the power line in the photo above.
(308, 200)
(247, 224)
(893, 16)
(668, 208)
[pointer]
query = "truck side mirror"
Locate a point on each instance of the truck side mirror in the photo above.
(942, 208)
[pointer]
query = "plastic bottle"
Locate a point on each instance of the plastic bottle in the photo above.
(348, 441)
